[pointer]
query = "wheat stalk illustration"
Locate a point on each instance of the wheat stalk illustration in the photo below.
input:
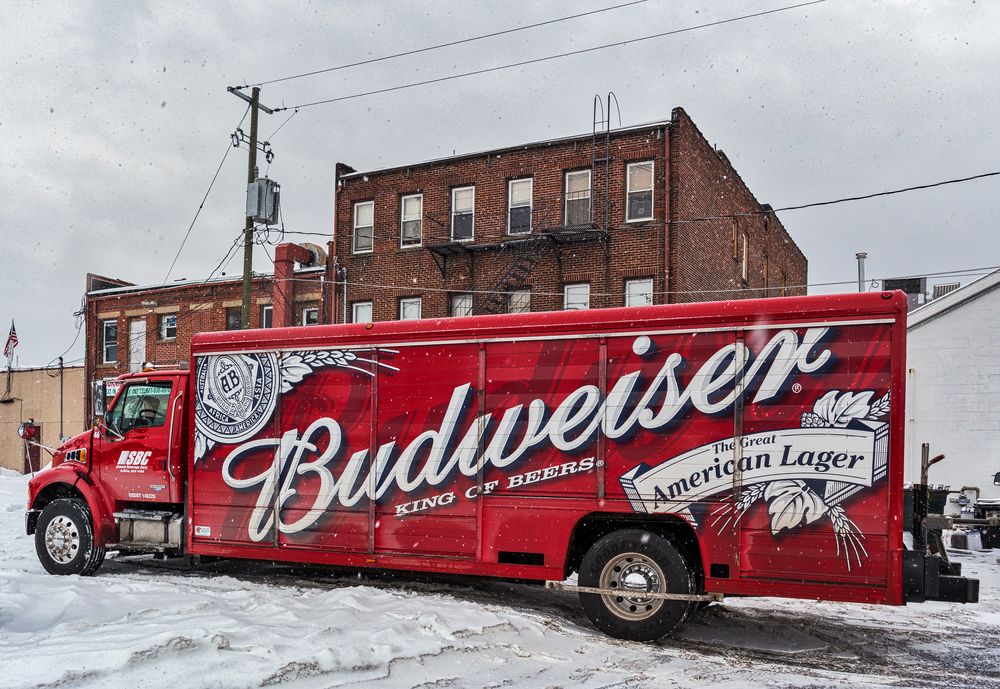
(848, 535)
(733, 512)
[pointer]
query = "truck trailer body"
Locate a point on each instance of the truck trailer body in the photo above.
(670, 455)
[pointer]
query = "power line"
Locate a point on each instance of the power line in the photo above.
(203, 199)
(294, 113)
(551, 57)
(442, 45)
(832, 202)
(227, 257)
(889, 193)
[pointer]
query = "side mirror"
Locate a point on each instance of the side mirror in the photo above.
(996, 479)
(100, 398)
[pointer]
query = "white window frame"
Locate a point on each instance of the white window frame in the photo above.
(629, 191)
(523, 295)
(566, 295)
(410, 301)
(105, 342)
(362, 304)
(305, 315)
(452, 299)
(162, 327)
(473, 213)
(269, 310)
(530, 205)
(403, 241)
(566, 193)
(356, 227)
(639, 298)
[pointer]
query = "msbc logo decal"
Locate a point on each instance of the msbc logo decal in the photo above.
(133, 461)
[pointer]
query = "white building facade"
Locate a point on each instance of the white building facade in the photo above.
(953, 386)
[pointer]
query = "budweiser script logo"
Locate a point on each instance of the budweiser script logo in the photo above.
(429, 460)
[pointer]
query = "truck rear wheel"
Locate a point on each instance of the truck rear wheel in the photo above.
(64, 538)
(640, 562)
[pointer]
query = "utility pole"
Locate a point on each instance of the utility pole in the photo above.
(255, 107)
(248, 228)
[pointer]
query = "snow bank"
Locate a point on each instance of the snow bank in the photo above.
(141, 626)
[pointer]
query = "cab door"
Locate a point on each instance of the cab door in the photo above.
(135, 450)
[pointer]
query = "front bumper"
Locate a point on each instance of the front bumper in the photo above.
(31, 520)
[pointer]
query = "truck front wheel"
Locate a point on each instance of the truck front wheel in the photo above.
(638, 562)
(64, 538)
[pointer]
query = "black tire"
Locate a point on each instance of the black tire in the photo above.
(64, 538)
(644, 558)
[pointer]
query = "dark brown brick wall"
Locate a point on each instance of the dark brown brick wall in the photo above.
(390, 271)
(688, 262)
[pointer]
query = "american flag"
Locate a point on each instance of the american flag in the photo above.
(8, 350)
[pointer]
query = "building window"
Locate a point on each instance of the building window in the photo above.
(463, 214)
(576, 297)
(745, 260)
(577, 210)
(168, 326)
(310, 315)
(460, 305)
(519, 206)
(266, 316)
(639, 292)
(110, 341)
(766, 277)
(412, 213)
(736, 239)
(234, 317)
(409, 309)
(519, 301)
(361, 312)
(364, 221)
(639, 197)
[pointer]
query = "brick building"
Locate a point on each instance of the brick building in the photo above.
(129, 326)
(645, 214)
(638, 215)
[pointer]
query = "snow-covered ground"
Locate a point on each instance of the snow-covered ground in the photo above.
(145, 624)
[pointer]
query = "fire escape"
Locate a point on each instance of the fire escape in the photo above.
(580, 215)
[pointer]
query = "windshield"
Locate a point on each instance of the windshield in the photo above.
(142, 405)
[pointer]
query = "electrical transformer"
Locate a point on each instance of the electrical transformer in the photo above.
(263, 196)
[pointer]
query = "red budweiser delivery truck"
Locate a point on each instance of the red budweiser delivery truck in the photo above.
(668, 455)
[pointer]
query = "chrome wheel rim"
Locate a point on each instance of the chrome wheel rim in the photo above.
(62, 539)
(637, 574)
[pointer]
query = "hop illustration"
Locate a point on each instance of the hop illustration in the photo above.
(810, 420)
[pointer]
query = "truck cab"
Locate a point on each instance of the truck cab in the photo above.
(120, 484)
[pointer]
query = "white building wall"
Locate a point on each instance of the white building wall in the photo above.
(953, 394)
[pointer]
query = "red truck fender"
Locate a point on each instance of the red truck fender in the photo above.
(68, 482)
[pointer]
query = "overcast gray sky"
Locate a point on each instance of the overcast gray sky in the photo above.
(114, 116)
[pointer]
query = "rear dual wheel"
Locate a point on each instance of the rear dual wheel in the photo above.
(635, 562)
(64, 538)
